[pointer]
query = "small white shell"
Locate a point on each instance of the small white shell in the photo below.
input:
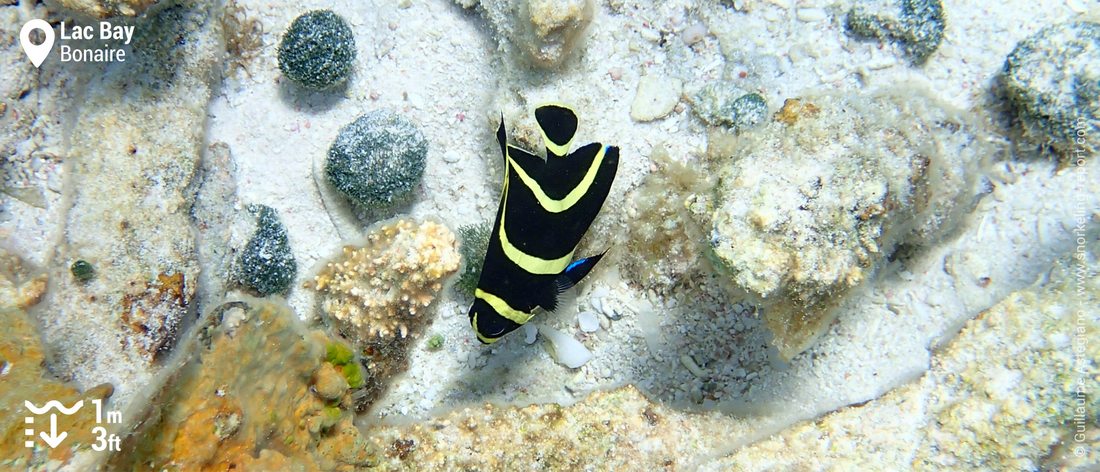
(564, 349)
(530, 333)
(588, 321)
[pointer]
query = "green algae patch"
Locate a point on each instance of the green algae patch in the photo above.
(377, 160)
(354, 375)
(473, 242)
(338, 353)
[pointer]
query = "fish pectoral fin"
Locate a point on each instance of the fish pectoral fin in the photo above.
(550, 297)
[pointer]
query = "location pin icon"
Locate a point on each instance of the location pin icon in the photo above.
(37, 52)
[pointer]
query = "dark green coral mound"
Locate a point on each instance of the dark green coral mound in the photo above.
(747, 111)
(724, 104)
(267, 266)
(1052, 81)
(473, 242)
(317, 50)
(82, 270)
(377, 160)
(918, 27)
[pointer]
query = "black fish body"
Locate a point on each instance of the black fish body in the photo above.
(546, 206)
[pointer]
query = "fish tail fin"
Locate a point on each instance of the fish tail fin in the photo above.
(558, 124)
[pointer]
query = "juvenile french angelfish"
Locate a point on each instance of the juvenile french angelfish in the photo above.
(545, 208)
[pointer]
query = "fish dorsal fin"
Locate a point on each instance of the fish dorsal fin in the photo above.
(502, 138)
(558, 125)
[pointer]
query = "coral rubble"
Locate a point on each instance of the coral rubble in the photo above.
(655, 98)
(257, 392)
(613, 430)
(1006, 394)
(806, 212)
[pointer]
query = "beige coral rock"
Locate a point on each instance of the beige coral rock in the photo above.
(378, 289)
(555, 26)
(544, 31)
(609, 430)
(329, 383)
(20, 286)
(1003, 395)
(809, 211)
(129, 212)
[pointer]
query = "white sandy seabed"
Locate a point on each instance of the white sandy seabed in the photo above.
(439, 65)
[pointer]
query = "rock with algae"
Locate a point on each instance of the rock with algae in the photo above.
(379, 290)
(1052, 80)
(665, 245)
(807, 211)
(259, 391)
(545, 31)
(21, 285)
(918, 27)
(724, 104)
(131, 193)
(1003, 395)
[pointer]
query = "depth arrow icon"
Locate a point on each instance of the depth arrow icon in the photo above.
(53, 439)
